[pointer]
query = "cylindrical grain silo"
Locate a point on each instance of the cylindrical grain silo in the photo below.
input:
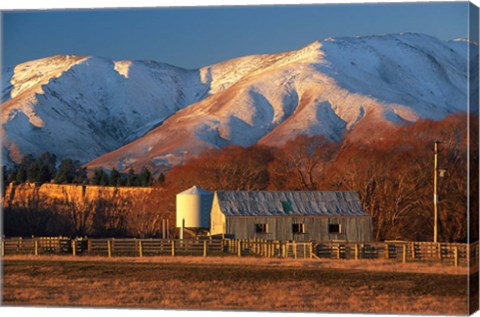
(193, 207)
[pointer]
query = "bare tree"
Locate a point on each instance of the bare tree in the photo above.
(80, 213)
(301, 162)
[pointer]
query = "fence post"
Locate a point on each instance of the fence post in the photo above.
(168, 230)
(89, 246)
(3, 247)
(413, 250)
(387, 251)
(439, 251)
(140, 248)
(163, 229)
(109, 248)
(205, 248)
(311, 250)
(455, 255)
(173, 247)
(404, 253)
(356, 251)
(35, 243)
(74, 248)
(294, 249)
(284, 249)
(239, 244)
(338, 251)
(468, 254)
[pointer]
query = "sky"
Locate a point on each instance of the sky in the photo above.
(196, 37)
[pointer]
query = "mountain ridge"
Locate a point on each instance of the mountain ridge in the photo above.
(337, 87)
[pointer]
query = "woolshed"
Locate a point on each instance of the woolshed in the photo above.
(290, 215)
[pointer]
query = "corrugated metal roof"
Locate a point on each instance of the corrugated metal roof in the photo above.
(302, 203)
(195, 190)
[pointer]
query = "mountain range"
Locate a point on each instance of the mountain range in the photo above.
(142, 113)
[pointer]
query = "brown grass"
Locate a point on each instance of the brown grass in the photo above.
(371, 265)
(233, 283)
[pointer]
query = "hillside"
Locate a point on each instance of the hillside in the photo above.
(83, 107)
(139, 114)
(356, 88)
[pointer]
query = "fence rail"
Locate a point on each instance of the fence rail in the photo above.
(404, 251)
(401, 251)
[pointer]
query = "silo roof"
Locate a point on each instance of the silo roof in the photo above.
(195, 190)
(290, 203)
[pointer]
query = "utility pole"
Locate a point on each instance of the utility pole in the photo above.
(435, 195)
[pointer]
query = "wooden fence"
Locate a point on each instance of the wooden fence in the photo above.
(401, 251)
(268, 248)
(112, 247)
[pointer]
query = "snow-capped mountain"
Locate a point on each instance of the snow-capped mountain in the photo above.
(83, 107)
(148, 114)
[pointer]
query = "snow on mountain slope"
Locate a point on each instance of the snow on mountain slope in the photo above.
(83, 107)
(410, 69)
(125, 113)
(222, 75)
(34, 74)
(354, 87)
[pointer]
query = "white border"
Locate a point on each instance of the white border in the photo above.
(86, 4)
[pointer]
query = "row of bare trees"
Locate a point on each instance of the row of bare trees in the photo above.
(395, 180)
(109, 214)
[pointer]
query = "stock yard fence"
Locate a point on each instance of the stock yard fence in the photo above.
(457, 254)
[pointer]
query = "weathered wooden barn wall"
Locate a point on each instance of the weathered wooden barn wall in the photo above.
(353, 228)
(358, 228)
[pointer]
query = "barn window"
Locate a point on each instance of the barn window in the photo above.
(261, 228)
(334, 228)
(287, 206)
(298, 228)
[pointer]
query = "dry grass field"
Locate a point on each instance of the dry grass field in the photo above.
(236, 283)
